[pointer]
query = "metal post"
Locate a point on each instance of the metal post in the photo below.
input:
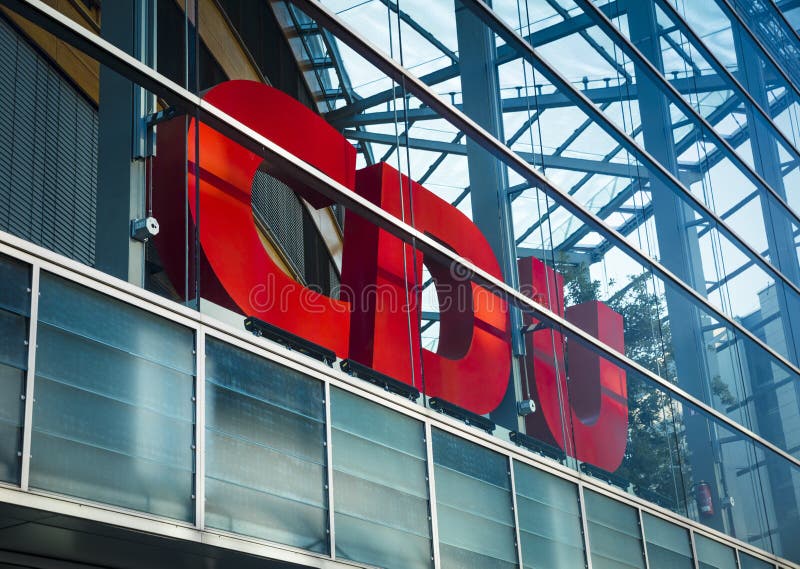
(437, 561)
(515, 509)
(329, 471)
(644, 537)
(771, 414)
(128, 24)
(488, 176)
(679, 246)
(694, 550)
(767, 161)
(584, 526)
(200, 430)
(30, 377)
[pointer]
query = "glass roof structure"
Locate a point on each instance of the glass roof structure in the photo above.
(712, 117)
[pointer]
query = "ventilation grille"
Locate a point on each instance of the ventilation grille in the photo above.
(277, 208)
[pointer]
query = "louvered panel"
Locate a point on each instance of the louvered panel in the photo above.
(22, 154)
(334, 277)
(277, 207)
(48, 153)
(8, 56)
(50, 166)
(40, 156)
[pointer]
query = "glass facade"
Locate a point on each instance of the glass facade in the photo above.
(548, 510)
(199, 426)
(380, 484)
(568, 226)
(473, 505)
(265, 462)
(667, 545)
(113, 417)
(14, 316)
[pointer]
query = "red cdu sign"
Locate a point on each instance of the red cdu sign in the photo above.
(472, 363)
(376, 320)
(596, 401)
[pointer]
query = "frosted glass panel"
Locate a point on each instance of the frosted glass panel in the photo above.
(265, 453)
(14, 311)
(113, 420)
(14, 332)
(380, 487)
(549, 520)
(614, 536)
(668, 545)
(121, 376)
(15, 279)
(713, 555)
(12, 382)
(12, 386)
(71, 307)
(474, 505)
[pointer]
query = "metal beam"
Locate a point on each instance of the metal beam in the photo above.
(616, 169)
(542, 102)
(684, 143)
(505, 54)
(786, 5)
(569, 257)
(673, 96)
(758, 106)
(414, 25)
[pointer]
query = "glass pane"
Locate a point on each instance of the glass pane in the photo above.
(668, 545)
(265, 449)
(14, 327)
(711, 554)
(15, 293)
(11, 384)
(72, 308)
(112, 423)
(747, 561)
(549, 520)
(14, 307)
(380, 485)
(473, 505)
(614, 536)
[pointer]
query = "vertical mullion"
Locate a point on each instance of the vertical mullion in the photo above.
(585, 526)
(200, 430)
(437, 562)
(644, 537)
(27, 429)
(694, 549)
(329, 469)
(514, 507)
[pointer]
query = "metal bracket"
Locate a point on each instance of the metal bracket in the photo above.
(161, 116)
(149, 123)
(533, 328)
